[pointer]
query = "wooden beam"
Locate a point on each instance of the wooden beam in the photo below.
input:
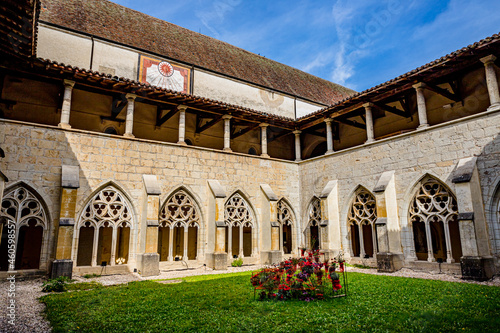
(209, 124)
(279, 136)
(391, 109)
(315, 133)
(352, 123)
(160, 120)
(245, 130)
(118, 105)
(442, 92)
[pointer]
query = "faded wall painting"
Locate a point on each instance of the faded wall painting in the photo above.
(164, 74)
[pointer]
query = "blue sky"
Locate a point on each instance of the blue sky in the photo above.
(356, 43)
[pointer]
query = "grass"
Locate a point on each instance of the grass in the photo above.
(224, 303)
(90, 276)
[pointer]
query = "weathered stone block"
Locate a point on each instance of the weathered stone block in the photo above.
(220, 261)
(148, 264)
(477, 268)
(388, 262)
(62, 267)
(270, 257)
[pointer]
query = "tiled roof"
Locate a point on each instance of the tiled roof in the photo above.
(111, 21)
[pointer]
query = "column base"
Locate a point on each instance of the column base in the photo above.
(64, 126)
(494, 107)
(129, 135)
(328, 152)
(423, 126)
(265, 155)
(229, 150)
(220, 261)
(270, 257)
(148, 264)
(388, 262)
(298, 160)
(369, 141)
(62, 267)
(182, 143)
(477, 268)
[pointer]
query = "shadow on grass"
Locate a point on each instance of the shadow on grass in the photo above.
(225, 303)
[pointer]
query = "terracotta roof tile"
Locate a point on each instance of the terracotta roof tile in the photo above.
(111, 21)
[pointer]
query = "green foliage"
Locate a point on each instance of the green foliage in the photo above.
(90, 276)
(358, 266)
(237, 262)
(84, 285)
(225, 303)
(56, 285)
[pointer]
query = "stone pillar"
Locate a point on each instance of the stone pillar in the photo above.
(221, 255)
(263, 128)
(476, 261)
(270, 232)
(129, 120)
(114, 235)
(241, 242)
(491, 81)
(298, 152)
(430, 249)
(230, 242)
(329, 136)
(216, 227)
(186, 239)
(171, 243)
(421, 106)
(388, 231)
(370, 134)
(227, 132)
(66, 105)
(70, 182)
(330, 234)
(182, 124)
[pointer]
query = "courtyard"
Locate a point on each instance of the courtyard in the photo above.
(203, 300)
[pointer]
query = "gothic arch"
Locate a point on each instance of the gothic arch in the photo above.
(241, 226)
(288, 226)
(25, 210)
(180, 226)
(432, 221)
(494, 220)
(313, 218)
(361, 217)
(105, 229)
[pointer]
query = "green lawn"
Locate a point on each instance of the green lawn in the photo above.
(224, 303)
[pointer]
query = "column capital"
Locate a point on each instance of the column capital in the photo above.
(69, 83)
(181, 107)
(368, 105)
(264, 125)
(131, 97)
(488, 59)
(419, 85)
(328, 120)
(227, 116)
(297, 132)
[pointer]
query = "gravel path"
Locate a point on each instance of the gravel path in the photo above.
(29, 311)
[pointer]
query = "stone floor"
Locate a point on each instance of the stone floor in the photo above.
(30, 317)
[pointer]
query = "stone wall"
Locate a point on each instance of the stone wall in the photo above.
(434, 151)
(35, 154)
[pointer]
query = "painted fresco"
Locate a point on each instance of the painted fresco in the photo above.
(164, 74)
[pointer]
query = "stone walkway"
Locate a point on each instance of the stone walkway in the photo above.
(29, 311)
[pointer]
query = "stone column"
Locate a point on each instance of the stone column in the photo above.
(149, 261)
(370, 135)
(182, 124)
(491, 81)
(263, 128)
(94, 247)
(227, 132)
(171, 243)
(330, 230)
(216, 227)
(66, 105)
(361, 242)
(241, 241)
(421, 106)
(70, 182)
(298, 153)
(449, 254)
(129, 120)
(329, 136)
(430, 251)
(114, 236)
(230, 242)
(186, 238)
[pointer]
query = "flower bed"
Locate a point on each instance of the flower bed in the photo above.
(304, 278)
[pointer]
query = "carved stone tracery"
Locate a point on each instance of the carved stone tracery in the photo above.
(179, 211)
(237, 212)
(363, 209)
(108, 208)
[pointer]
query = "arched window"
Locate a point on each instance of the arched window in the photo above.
(361, 221)
(286, 221)
(104, 230)
(240, 221)
(314, 222)
(110, 130)
(433, 215)
(23, 212)
(252, 151)
(494, 222)
(178, 232)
